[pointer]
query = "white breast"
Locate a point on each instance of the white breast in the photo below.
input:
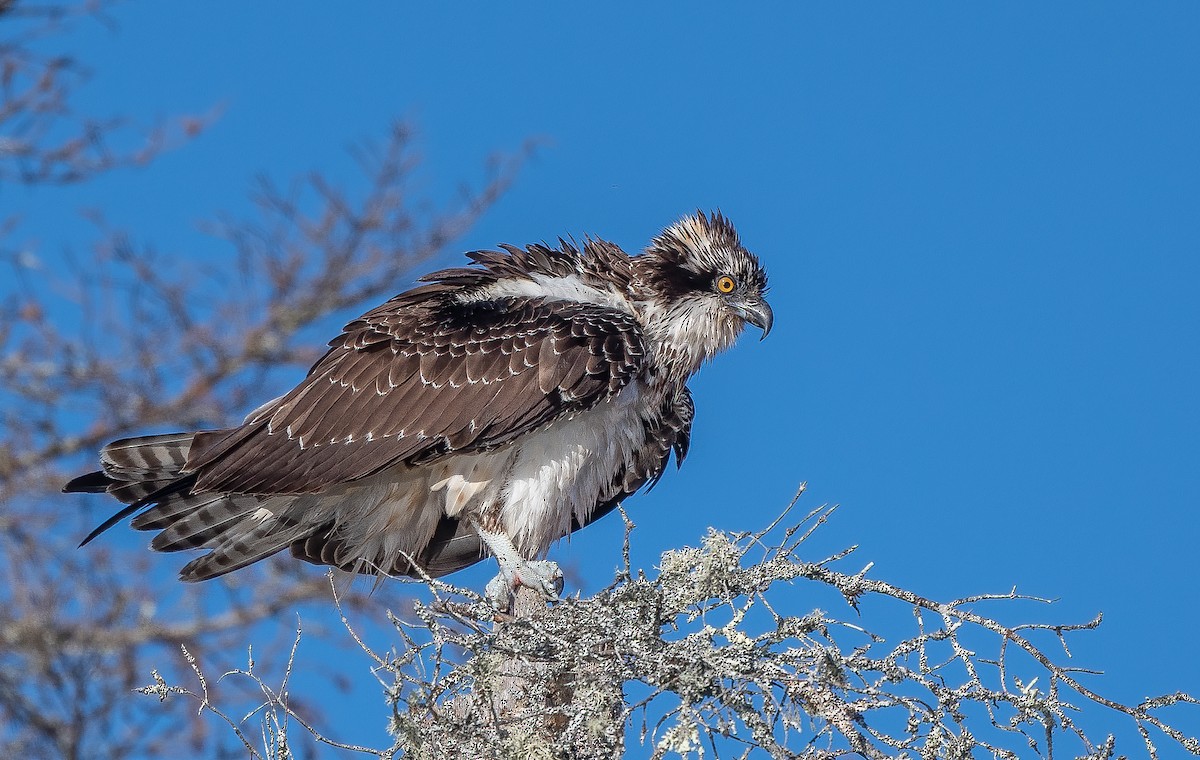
(562, 471)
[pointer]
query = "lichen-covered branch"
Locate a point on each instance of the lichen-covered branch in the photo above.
(702, 661)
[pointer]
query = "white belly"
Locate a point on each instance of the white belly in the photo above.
(563, 471)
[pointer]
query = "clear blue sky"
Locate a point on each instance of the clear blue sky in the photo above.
(980, 223)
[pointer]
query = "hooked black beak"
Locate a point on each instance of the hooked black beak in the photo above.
(758, 313)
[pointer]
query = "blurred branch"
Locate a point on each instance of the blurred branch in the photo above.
(43, 138)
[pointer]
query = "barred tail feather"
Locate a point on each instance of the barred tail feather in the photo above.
(147, 457)
(139, 471)
(134, 468)
(157, 478)
(168, 511)
(257, 536)
(150, 474)
(137, 491)
(206, 523)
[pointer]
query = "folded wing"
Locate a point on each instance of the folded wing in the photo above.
(419, 378)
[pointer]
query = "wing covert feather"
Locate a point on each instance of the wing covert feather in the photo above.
(411, 381)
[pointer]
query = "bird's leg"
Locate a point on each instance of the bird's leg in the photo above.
(542, 576)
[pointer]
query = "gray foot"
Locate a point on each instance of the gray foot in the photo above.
(543, 576)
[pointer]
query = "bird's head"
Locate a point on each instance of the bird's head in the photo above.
(698, 286)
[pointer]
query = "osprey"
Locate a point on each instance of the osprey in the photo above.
(494, 409)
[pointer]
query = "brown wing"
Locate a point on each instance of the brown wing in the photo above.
(418, 378)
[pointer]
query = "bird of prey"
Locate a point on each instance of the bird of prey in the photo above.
(493, 409)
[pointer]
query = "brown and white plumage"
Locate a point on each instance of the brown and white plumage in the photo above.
(495, 408)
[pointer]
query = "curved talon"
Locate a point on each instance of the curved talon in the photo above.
(499, 593)
(549, 581)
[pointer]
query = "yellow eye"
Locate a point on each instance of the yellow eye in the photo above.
(725, 284)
